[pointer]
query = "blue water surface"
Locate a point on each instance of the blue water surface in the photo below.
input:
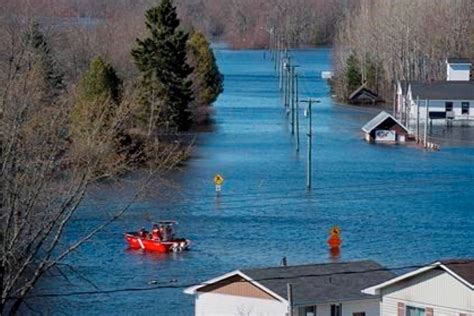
(397, 205)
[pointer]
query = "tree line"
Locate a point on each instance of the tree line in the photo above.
(380, 42)
(71, 118)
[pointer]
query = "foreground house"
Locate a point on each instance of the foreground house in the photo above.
(450, 101)
(332, 289)
(384, 128)
(443, 288)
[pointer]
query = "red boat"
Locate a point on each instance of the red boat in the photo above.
(160, 239)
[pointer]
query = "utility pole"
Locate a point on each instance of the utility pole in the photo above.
(287, 80)
(289, 293)
(310, 145)
(280, 64)
(425, 136)
(297, 115)
(417, 119)
(292, 72)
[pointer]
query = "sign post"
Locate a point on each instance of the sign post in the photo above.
(218, 181)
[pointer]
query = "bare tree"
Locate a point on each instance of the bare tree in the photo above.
(44, 175)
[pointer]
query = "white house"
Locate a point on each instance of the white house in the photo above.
(332, 289)
(444, 288)
(441, 102)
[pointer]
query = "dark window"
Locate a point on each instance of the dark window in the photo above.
(414, 311)
(310, 311)
(358, 314)
(449, 106)
(465, 108)
(307, 311)
(336, 310)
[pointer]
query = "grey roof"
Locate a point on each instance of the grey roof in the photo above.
(443, 90)
(320, 283)
(364, 91)
(462, 267)
(455, 60)
(380, 118)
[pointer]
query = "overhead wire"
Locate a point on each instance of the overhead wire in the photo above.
(173, 284)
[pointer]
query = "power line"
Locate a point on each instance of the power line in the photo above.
(173, 283)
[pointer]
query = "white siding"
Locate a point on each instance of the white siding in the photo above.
(210, 304)
(440, 106)
(370, 307)
(458, 72)
(438, 290)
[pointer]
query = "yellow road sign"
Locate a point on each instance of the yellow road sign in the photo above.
(335, 231)
(218, 179)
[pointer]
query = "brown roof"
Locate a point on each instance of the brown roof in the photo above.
(463, 267)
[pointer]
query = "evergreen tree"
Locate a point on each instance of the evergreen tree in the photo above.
(207, 80)
(101, 82)
(161, 58)
(45, 63)
(353, 75)
(98, 95)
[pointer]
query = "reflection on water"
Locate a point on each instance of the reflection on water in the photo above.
(395, 204)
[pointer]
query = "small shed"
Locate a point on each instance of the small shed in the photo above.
(364, 95)
(384, 128)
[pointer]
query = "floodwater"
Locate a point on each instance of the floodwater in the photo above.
(395, 204)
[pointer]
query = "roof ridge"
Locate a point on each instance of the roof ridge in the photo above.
(312, 264)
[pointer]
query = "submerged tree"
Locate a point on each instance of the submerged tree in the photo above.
(354, 76)
(161, 59)
(97, 98)
(206, 78)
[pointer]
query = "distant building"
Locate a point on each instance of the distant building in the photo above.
(385, 128)
(333, 289)
(444, 288)
(363, 95)
(448, 102)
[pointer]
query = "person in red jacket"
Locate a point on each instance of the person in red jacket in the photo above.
(155, 233)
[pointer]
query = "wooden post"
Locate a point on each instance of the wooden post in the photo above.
(417, 119)
(427, 115)
(289, 292)
(292, 101)
(310, 145)
(297, 114)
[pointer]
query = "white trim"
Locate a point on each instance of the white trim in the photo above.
(457, 276)
(375, 290)
(193, 289)
(387, 115)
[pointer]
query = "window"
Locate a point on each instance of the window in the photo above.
(336, 310)
(465, 108)
(448, 106)
(307, 311)
(414, 311)
(358, 314)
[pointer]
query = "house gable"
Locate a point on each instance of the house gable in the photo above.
(236, 285)
(434, 288)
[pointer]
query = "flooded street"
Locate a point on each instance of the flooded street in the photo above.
(396, 205)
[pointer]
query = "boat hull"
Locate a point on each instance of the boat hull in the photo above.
(137, 242)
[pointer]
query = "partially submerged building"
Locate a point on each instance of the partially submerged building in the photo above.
(363, 95)
(442, 102)
(384, 128)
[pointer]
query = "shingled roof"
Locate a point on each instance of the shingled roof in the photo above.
(464, 268)
(456, 60)
(443, 90)
(321, 283)
(461, 269)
